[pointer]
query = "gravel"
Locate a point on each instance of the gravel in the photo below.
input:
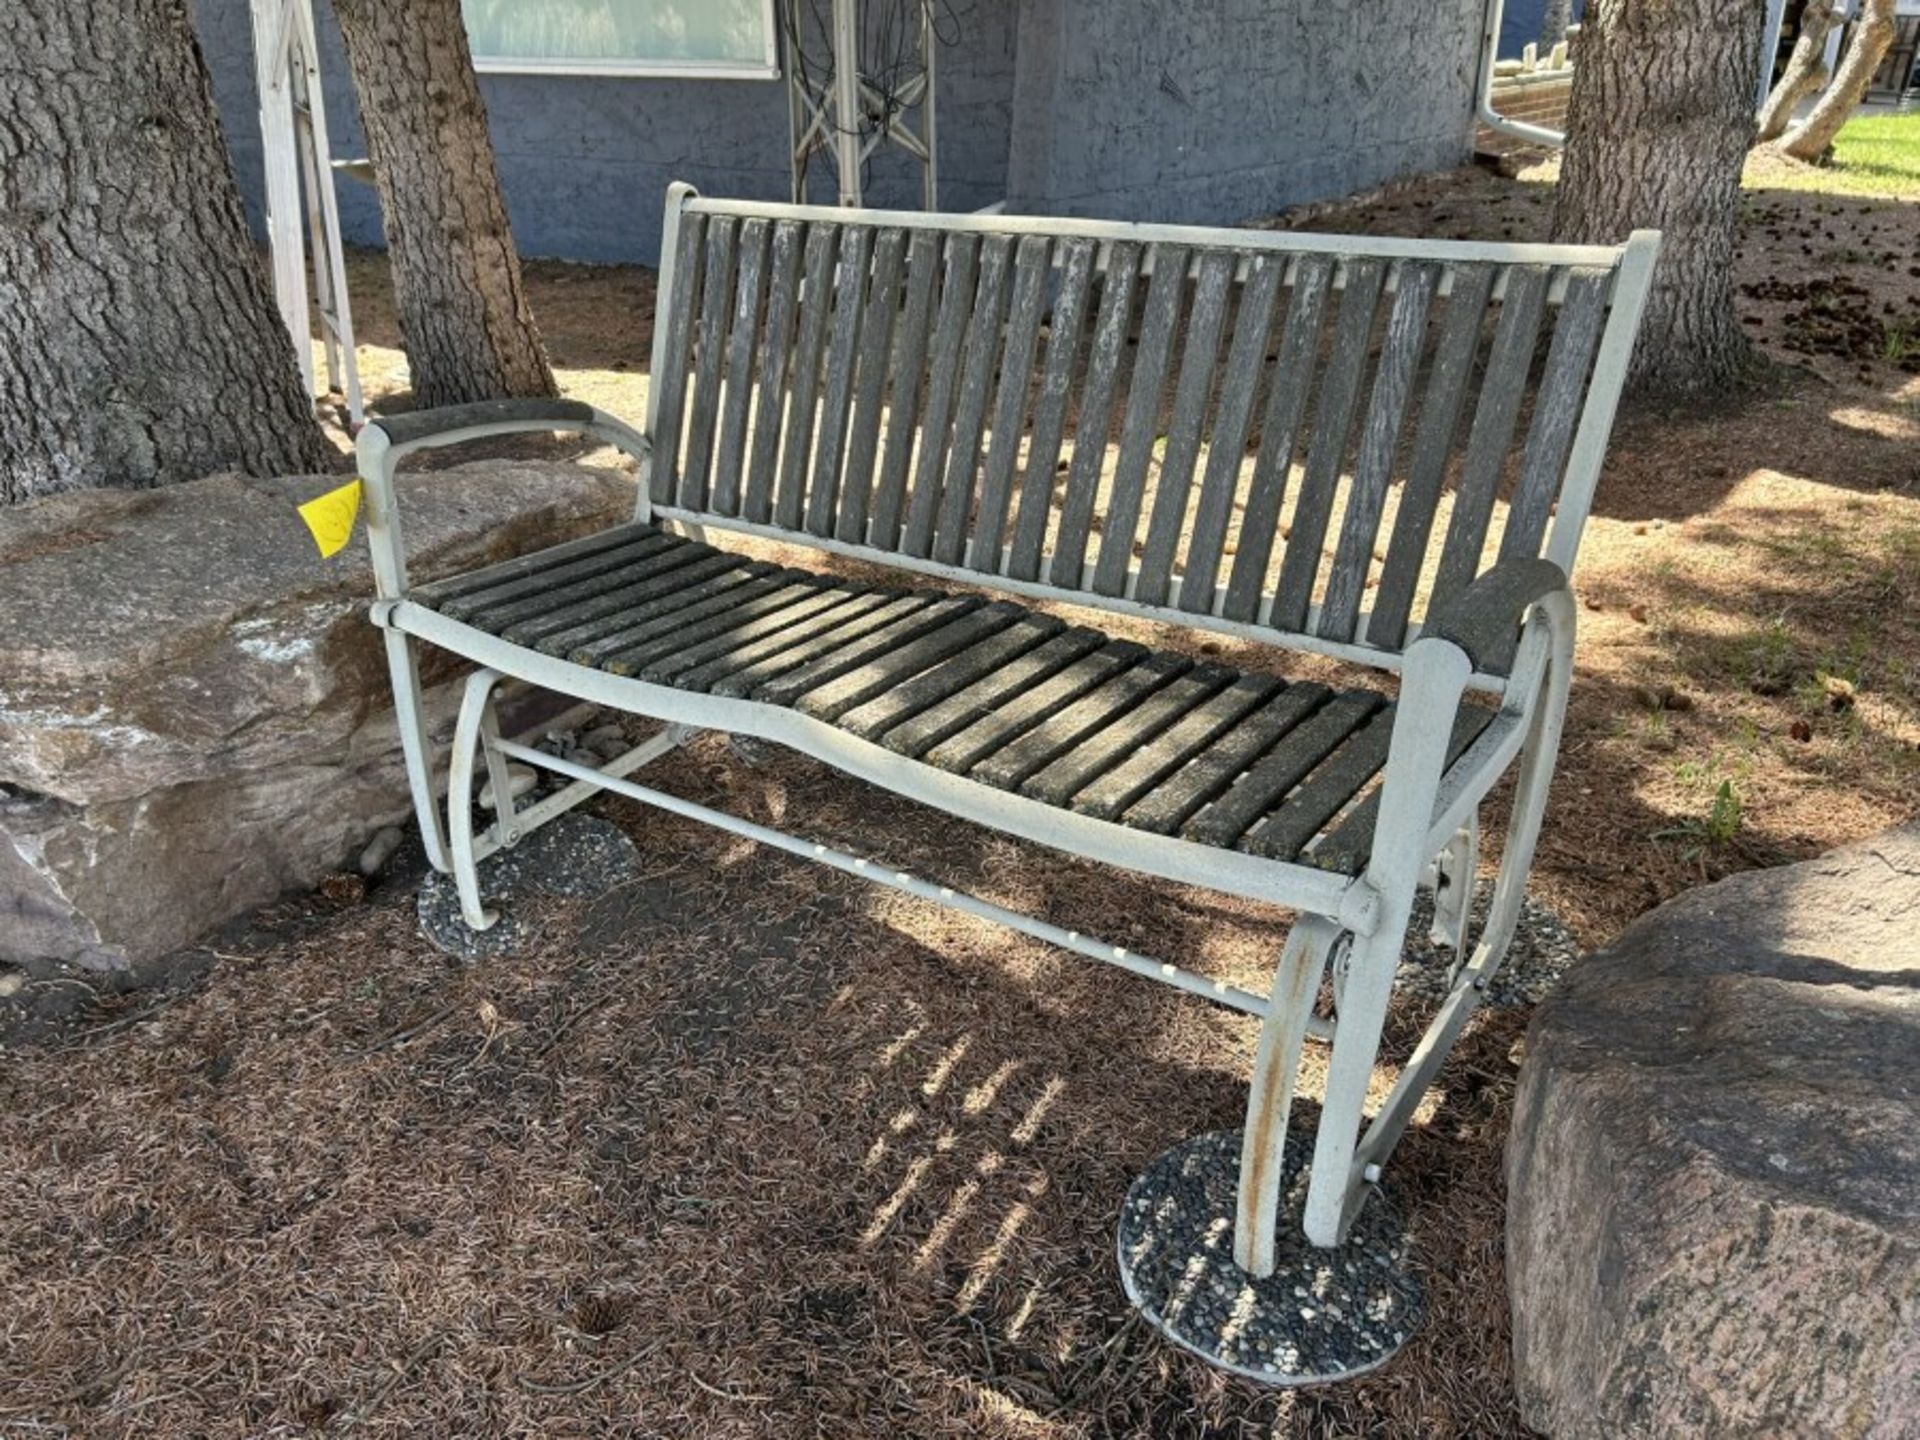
(573, 856)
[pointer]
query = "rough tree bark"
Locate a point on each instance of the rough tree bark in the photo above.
(1812, 137)
(464, 319)
(139, 343)
(1658, 125)
(1806, 71)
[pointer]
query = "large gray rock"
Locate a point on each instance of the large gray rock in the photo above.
(1714, 1170)
(193, 708)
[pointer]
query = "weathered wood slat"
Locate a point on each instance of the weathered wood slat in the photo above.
(774, 626)
(850, 298)
(885, 671)
(869, 400)
(1379, 437)
(976, 701)
(1165, 291)
(1109, 348)
(1303, 814)
(783, 296)
(943, 383)
(1279, 436)
(909, 370)
(522, 568)
(1017, 761)
(1169, 804)
(1227, 444)
(546, 589)
(772, 650)
(1031, 272)
(1020, 712)
(1050, 410)
(1125, 737)
(803, 381)
(716, 303)
(891, 608)
(1282, 768)
(504, 615)
(1556, 410)
(687, 629)
(789, 688)
(1348, 846)
(1332, 425)
(1199, 349)
(636, 623)
(1447, 384)
(934, 684)
(678, 316)
(742, 346)
(1110, 793)
(970, 410)
(557, 628)
(1508, 362)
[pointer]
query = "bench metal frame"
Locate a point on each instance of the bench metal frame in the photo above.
(1351, 926)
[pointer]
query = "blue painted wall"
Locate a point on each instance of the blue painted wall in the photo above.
(1132, 109)
(1520, 26)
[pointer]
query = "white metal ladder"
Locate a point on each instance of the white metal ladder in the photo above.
(299, 172)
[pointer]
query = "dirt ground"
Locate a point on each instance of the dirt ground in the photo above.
(746, 1149)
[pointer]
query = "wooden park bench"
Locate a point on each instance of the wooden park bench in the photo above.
(1377, 450)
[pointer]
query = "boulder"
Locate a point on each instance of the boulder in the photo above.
(194, 713)
(1714, 1168)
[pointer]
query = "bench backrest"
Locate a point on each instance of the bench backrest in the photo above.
(1297, 436)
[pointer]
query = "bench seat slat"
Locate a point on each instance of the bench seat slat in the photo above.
(1020, 713)
(637, 652)
(772, 650)
(611, 632)
(789, 688)
(1124, 737)
(1169, 804)
(1282, 768)
(1039, 747)
(758, 630)
(951, 675)
(864, 682)
(436, 592)
(1347, 845)
(1119, 787)
(528, 605)
(842, 632)
(1318, 798)
(555, 632)
(974, 702)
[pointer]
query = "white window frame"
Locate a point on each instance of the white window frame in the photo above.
(766, 68)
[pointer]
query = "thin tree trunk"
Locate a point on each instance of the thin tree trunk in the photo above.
(1806, 71)
(139, 343)
(464, 319)
(1812, 137)
(1658, 125)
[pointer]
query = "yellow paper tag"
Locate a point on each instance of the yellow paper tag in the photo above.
(330, 517)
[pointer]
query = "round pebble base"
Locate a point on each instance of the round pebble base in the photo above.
(1323, 1315)
(572, 856)
(1543, 947)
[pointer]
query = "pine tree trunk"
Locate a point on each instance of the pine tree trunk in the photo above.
(1657, 128)
(1812, 137)
(464, 319)
(1806, 70)
(139, 343)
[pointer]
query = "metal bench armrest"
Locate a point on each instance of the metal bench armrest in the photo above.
(1484, 620)
(385, 441)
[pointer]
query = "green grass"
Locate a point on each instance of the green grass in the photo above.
(1872, 155)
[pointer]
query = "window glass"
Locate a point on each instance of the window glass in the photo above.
(622, 36)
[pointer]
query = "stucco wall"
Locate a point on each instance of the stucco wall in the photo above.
(1129, 109)
(586, 160)
(1233, 109)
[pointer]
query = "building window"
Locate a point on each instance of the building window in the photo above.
(723, 39)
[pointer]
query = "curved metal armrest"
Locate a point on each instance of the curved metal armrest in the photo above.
(384, 441)
(1484, 619)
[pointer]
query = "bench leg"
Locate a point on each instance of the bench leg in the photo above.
(471, 735)
(409, 712)
(1276, 1066)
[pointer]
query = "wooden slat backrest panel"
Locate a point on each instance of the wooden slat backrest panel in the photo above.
(1306, 435)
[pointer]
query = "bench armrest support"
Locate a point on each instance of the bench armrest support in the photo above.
(385, 441)
(1484, 620)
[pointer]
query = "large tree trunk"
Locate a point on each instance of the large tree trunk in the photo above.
(139, 343)
(1806, 70)
(464, 318)
(1811, 138)
(1657, 127)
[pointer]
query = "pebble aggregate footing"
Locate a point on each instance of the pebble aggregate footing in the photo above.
(570, 857)
(1323, 1315)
